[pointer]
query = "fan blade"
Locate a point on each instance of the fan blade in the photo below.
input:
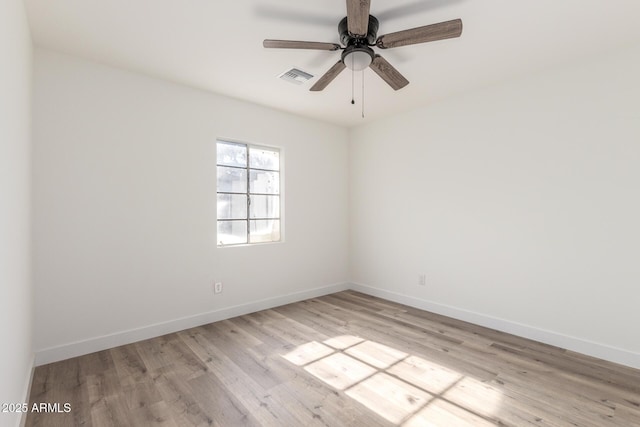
(328, 76)
(388, 73)
(358, 16)
(428, 33)
(295, 44)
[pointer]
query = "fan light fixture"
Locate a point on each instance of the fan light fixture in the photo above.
(357, 59)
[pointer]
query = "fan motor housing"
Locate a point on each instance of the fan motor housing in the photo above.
(357, 48)
(349, 39)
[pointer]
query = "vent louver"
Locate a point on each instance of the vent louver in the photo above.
(295, 76)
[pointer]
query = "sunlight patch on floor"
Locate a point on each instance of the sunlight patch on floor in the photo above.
(378, 355)
(343, 341)
(404, 389)
(425, 374)
(307, 353)
(391, 398)
(340, 371)
(440, 413)
(476, 396)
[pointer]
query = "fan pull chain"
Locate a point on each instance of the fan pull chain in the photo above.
(363, 94)
(352, 82)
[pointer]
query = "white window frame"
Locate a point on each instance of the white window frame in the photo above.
(249, 194)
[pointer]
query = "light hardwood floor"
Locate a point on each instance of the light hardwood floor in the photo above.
(345, 359)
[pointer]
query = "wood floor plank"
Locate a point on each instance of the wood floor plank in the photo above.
(233, 378)
(180, 399)
(157, 414)
(130, 367)
(346, 359)
(110, 411)
(219, 403)
(253, 328)
(252, 365)
(154, 352)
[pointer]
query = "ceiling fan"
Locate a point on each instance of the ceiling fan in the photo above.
(359, 33)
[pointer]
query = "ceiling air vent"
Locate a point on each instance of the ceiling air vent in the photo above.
(295, 76)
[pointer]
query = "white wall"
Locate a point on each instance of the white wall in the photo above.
(520, 203)
(124, 206)
(16, 355)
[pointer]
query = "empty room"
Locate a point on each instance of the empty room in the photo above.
(323, 213)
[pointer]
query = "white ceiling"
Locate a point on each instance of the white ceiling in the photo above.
(217, 45)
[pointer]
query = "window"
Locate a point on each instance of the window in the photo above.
(248, 194)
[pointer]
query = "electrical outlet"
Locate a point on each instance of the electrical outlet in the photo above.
(217, 288)
(422, 279)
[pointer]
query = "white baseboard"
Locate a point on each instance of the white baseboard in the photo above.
(589, 348)
(79, 348)
(27, 391)
(594, 349)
